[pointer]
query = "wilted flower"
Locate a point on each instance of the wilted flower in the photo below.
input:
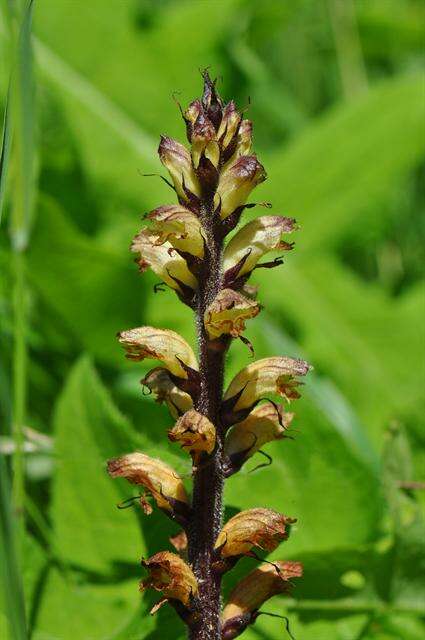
(255, 239)
(265, 423)
(228, 312)
(180, 227)
(159, 480)
(171, 575)
(195, 433)
(162, 258)
(159, 344)
(236, 183)
(276, 375)
(159, 382)
(176, 158)
(252, 591)
(262, 528)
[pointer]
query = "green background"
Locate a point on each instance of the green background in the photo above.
(335, 90)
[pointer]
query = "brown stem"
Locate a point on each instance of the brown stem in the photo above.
(208, 481)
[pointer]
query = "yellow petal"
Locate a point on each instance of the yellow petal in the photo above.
(229, 125)
(203, 133)
(160, 480)
(159, 344)
(171, 575)
(194, 432)
(176, 158)
(180, 227)
(274, 375)
(228, 312)
(262, 425)
(262, 528)
(163, 260)
(255, 239)
(165, 390)
(236, 183)
(252, 591)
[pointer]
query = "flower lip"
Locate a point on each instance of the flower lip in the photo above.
(195, 433)
(172, 575)
(228, 312)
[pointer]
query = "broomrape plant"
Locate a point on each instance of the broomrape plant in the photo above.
(184, 244)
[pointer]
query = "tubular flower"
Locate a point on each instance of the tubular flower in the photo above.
(178, 226)
(255, 239)
(159, 344)
(195, 433)
(159, 480)
(254, 590)
(176, 159)
(171, 575)
(159, 382)
(236, 183)
(163, 260)
(262, 528)
(228, 312)
(276, 375)
(265, 423)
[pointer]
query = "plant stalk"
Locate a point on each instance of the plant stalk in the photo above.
(208, 480)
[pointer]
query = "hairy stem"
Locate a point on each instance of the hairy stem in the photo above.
(208, 480)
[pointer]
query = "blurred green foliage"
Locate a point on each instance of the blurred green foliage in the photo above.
(335, 89)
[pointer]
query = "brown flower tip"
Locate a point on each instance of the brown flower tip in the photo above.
(159, 480)
(171, 575)
(195, 433)
(265, 423)
(262, 528)
(177, 160)
(252, 591)
(159, 344)
(236, 183)
(228, 312)
(159, 382)
(275, 375)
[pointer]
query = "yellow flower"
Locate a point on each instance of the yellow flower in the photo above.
(159, 382)
(159, 344)
(159, 480)
(176, 158)
(228, 312)
(171, 575)
(229, 125)
(262, 528)
(178, 226)
(236, 183)
(195, 433)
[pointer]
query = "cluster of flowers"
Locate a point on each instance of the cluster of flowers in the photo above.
(220, 170)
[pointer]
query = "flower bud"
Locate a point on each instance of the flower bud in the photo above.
(236, 183)
(274, 375)
(262, 528)
(252, 591)
(164, 261)
(203, 140)
(171, 575)
(244, 139)
(159, 344)
(159, 480)
(195, 433)
(265, 423)
(191, 115)
(159, 382)
(229, 125)
(180, 227)
(177, 160)
(254, 240)
(228, 312)
(211, 101)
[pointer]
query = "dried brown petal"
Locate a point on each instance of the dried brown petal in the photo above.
(171, 575)
(159, 382)
(252, 591)
(228, 312)
(276, 375)
(262, 528)
(195, 433)
(255, 239)
(178, 226)
(176, 158)
(159, 480)
(265, 423)
(159, 344)
(163, 259)
(236, 183)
